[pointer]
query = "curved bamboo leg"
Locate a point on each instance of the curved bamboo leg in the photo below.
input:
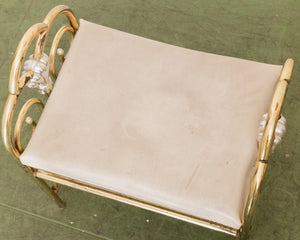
(52, 193)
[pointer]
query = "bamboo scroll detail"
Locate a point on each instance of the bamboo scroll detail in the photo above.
(20, 119)
(59, 51)
(35, 74)
(49, 19)
(16, 84)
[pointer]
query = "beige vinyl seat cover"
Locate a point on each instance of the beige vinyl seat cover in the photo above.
(164, 124)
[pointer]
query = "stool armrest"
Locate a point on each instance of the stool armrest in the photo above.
(265, 147)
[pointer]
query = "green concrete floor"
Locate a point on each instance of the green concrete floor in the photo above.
(266, 31)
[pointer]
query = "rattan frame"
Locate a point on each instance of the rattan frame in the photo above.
(13, 144)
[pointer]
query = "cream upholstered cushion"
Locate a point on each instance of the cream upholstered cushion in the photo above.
(160, 123)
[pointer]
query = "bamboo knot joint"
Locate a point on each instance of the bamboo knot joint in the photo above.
(263, 161)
